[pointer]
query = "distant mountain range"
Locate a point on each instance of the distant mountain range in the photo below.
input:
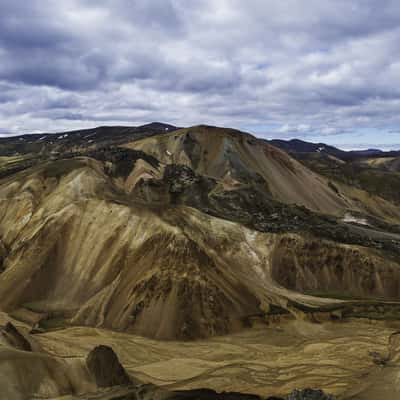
(290, 146)
(301, 146)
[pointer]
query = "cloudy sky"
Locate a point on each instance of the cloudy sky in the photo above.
(321, 70)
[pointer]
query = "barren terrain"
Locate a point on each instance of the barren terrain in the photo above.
(204, 257)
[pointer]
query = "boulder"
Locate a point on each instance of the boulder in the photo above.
(105, 367)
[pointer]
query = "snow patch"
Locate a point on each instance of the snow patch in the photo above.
(250, 236)
(90, 135)
(352, 219)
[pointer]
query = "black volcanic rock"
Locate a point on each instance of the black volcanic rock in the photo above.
(15, 337)
(309, 394)
(123, 160)
(208, 394)
(104, 365)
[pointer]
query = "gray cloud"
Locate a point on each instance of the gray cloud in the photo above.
(324, 68)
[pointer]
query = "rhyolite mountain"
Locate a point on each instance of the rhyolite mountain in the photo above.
(189, 233)
(184, 233)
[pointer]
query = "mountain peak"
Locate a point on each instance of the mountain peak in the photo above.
(159, 126)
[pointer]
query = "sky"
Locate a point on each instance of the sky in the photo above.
(318, 70)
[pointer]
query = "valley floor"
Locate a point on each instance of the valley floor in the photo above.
(338, 357)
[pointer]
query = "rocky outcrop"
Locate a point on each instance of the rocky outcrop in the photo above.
(16, 338)
(208, 394)
(105, 367)
(309, 394)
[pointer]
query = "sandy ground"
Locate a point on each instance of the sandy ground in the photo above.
(336, 357)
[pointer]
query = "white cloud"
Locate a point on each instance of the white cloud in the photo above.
(324, 67)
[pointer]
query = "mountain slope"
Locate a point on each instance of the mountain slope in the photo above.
(145, 267)
(145, 239)
(184, 235)
(374, 171)
(301, 146)
(234, 158)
